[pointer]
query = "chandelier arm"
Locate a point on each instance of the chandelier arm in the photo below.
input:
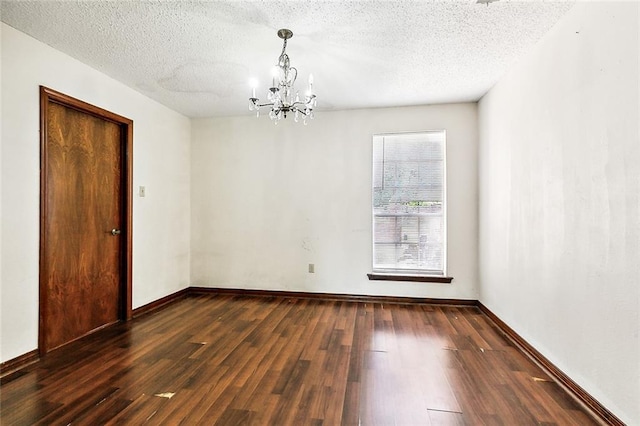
(295, 104)
(295, 108)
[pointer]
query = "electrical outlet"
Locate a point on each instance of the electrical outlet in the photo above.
(312, 268)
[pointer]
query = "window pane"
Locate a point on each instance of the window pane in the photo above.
(386, 230)
(408, 202)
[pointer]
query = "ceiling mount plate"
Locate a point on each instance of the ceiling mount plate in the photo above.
(285, 34)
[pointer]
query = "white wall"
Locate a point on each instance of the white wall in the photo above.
(161, 163)
(268, 200)
(560, 201)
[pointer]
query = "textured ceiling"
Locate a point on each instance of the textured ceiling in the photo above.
(197, 57)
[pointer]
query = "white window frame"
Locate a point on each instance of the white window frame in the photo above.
(390, 273)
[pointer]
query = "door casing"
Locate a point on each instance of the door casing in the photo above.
(48, 96)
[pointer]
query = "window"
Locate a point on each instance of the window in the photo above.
(409, 204)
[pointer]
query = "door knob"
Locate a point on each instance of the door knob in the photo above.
(115, 231)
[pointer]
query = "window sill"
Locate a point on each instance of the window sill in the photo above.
(414, 278)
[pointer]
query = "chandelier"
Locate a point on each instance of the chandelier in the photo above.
(282, 99)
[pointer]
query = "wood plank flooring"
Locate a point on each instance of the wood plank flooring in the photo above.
(234, 360)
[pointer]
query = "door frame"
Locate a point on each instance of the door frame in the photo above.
(126, 125)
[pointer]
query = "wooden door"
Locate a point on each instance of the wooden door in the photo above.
(85, 239)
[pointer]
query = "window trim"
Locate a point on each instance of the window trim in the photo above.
(407, 274)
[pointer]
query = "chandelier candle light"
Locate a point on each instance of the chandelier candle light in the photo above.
(281, 99)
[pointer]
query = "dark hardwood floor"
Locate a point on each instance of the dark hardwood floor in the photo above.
(233, 360)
